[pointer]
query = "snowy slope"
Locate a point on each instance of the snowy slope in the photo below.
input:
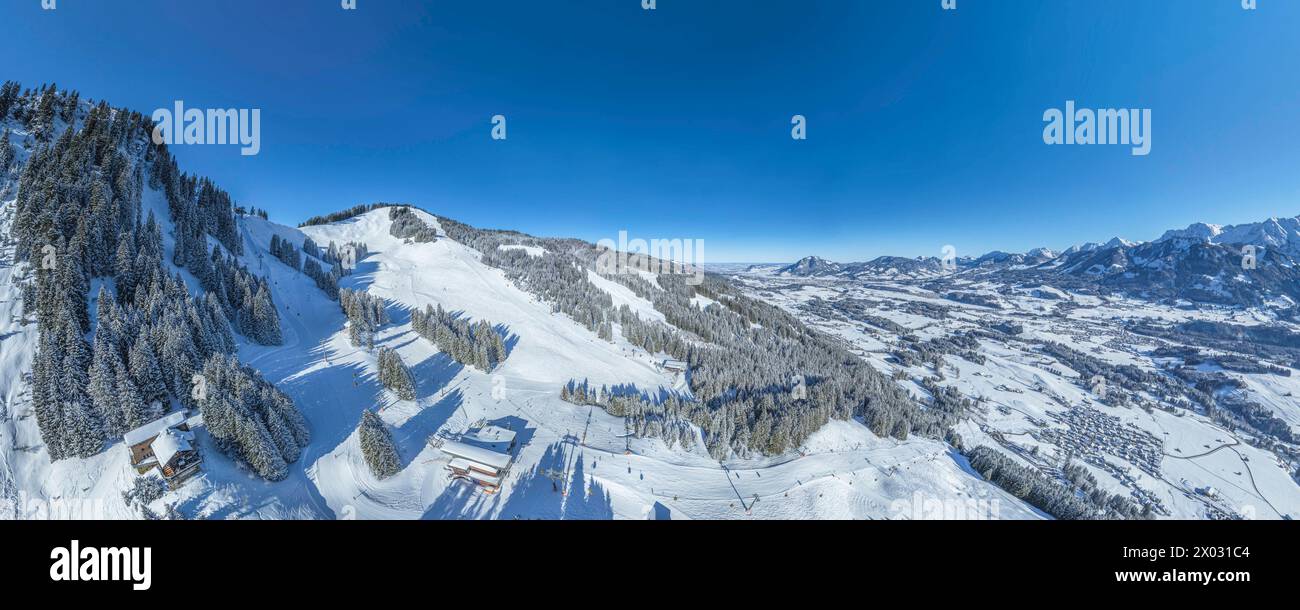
(847, 473)
(844, 471)
(572, 462)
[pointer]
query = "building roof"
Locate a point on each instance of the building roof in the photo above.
(168, 444)
(153, 428)
(481, 455)
(494, 437)
(467, 468)
(673, 364)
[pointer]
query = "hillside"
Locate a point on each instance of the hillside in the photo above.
(722, 441)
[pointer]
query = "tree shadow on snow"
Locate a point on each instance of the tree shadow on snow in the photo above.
(523, 434)
(537, 495)
(319, 393)
(434, 373)
(510, 339)
(398, 313)
(586, 501)
(411, 437)
(362, 276)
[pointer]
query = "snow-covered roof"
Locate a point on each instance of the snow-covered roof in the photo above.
(491, 435)
(153, 428)
(465, 468)
(168, 444)
(483, 456)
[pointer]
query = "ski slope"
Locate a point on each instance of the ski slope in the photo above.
(573, 462)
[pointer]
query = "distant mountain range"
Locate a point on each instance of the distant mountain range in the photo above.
(1202, 263)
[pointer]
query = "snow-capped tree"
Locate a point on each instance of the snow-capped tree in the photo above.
(250, 419)
(6, 153)
(478, 344)
(394, 375)
(377, 446)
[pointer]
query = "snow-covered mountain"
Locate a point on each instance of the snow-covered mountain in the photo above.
(898, 267)
(810, 266)
(609, 476)
(1277, 233)
(341, 356)
(1040, 255)
(392, 310)
(1202, 263)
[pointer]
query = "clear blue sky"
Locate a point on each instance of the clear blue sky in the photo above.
(925, 126)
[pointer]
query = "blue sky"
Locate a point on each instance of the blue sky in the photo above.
(924, 126)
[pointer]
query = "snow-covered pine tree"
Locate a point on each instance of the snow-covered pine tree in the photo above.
(83, 434)
(79, 204)
(6, 152)
(394, 375)
(8, 95)
(43, 120)
(131, 406)
(148, 379)
(124, 266)
(68, 109)
(267, 319)
(250, 419)
(103, 382)
(310, 248)
(377, 446)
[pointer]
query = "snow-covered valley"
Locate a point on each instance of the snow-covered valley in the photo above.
(1031, 405)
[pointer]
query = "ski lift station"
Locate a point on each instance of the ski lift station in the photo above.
(481, 456)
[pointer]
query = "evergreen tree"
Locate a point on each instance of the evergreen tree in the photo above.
(145, 374)
(266, 321)
(250, 419)
(124, 267)
(82, 433)
(394, 375)
(43, 120)
(132, 408)
(478, 344)
(103, 383)
(377, 446)
(8, 95)
(6, 153)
